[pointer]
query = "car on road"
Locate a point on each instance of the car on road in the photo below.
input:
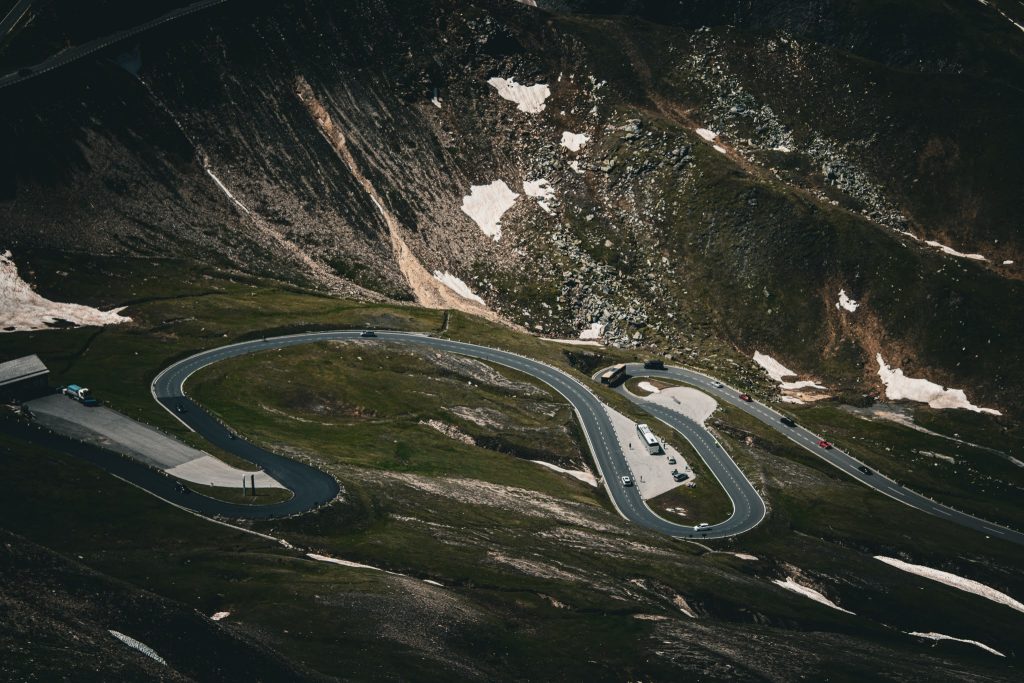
(367, 333)
(702, 526)
(232, 436)
(865, 469)
(824, 444)
(180, 408)
(626, 481)
(788, 421)
(654, 365)
(671, 460)
(180, 488)
(746, 397)
(718, 385)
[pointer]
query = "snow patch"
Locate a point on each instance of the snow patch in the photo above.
(343, 563)
(953, 252)
(486, 204)
(217, 616)
(541, 190)
(719, 149)
(782, 148)
(744, 556)
(898, 386)
(21, 308)
(954, 581)
(574, 142)
(846, 302)
(575, 166)
(572, 342)
(458, 286)
(648, 387)
(592, 333)
(582, 475)
(708, 135)
(1008, 263)
(931, 635)
(138, 645)
(778, 372)
(530, 98)
(791, 585)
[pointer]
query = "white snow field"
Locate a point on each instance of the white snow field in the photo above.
(592, 333)
(778, 372)
(582, 475)
(708, 135)
(846, 303)
(458, 286)
(953, 252)
(931, 635)
(950, 579)
(486, 204)
(574, 142)
(530, 98)
(540, 190)
(791, 585)
(21, 308)
(900, 387)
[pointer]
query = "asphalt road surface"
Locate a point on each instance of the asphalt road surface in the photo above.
(168, 389)
(835, 457)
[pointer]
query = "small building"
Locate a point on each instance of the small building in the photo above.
(23, 379)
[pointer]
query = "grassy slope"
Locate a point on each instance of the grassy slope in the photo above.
(826, 526)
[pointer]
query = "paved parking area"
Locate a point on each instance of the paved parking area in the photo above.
(110, 429)
(652, 473)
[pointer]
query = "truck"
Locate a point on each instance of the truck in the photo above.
(80, 394)
(654, 364)
(613, 374)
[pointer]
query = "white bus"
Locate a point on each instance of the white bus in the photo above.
(648, 439)
(613, 373)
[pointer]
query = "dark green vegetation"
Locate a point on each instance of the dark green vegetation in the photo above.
(264, 496)
(534, 564)
(399, 410)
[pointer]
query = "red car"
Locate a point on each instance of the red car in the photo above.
(825, 444)
(746, 397)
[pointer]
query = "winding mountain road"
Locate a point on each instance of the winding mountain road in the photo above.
(312, 487)
(807, 439)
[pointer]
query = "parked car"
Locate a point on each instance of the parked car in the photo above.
(788, 421)
(680, 476)
(626, 481)
(865, 469)
(825, 444)
(746, 397)
(671, 460)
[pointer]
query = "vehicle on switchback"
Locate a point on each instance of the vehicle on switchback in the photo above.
(865, 469)
(824, 444)
(626, 480)
(788, 421)
(367, 333)
(703, 526)
(746, 397)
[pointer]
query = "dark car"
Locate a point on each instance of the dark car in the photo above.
(788, 421)
(654, 365)
(865, 469)
(680, 476)
(232, 436)
(181, 408)
(180, 488)
(367, 333)
(746, 397)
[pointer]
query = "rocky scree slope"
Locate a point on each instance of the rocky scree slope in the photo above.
(829, 151)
